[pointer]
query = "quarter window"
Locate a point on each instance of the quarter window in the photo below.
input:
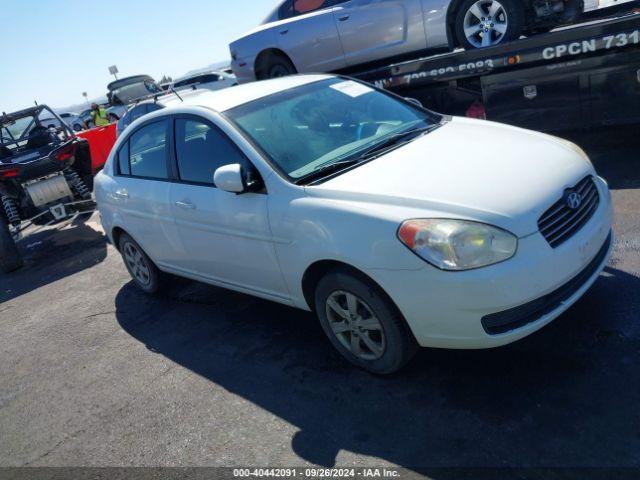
(148, 151)
(201, 149)
(123, 160)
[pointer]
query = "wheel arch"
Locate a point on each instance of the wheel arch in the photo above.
(263, 57)
(317, 270)
(116, 233)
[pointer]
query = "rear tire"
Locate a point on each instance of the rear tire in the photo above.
(278, 66)
(10, 259)
(362, 323)
(509, 16)
(143, 271)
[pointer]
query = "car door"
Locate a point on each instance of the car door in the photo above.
(225, 237)
(376, 29)
(309, 35)
(141, 190)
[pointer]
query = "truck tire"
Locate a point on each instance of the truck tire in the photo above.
(10, 258)
(484, 23)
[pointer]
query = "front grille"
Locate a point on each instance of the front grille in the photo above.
(561, 222)
(518, 317)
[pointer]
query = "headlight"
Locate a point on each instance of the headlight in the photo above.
(457, 244)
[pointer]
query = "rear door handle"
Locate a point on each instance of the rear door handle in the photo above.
(186, 205)
(284, 32)
(344, 18)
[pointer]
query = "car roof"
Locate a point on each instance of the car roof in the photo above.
(228, 98)
(195, 75)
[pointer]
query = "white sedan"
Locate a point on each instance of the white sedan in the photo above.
(397, 226)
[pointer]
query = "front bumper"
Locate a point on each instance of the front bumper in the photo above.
(446, 309)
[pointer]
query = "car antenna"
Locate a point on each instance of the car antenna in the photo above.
(176, 93)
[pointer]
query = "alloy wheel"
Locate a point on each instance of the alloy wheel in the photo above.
(137, 264)
(355, 325)
(485, 23)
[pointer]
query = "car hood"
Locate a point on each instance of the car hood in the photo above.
(469, 169)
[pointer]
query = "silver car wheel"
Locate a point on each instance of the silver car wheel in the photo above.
(137, 264)
(355, 325)
(485, 23)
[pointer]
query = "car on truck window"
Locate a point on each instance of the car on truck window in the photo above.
(331, 35)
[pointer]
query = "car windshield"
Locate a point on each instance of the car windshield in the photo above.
(321, 123)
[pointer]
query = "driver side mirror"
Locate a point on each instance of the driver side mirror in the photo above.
(231, 178)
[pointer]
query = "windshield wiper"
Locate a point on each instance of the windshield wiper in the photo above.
(324, 170)
(391, 143)
(395, 141)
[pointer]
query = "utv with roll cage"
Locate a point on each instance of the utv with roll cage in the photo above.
(45, 176)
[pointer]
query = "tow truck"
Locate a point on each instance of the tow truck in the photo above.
(579, 77)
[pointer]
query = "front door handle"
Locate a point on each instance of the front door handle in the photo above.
(121, 193)
(344, 18)
(186, 205)
(284, 32)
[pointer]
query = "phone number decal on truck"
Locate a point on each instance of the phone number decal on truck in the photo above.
(475, 67)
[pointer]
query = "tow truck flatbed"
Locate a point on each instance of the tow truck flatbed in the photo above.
(585, 75)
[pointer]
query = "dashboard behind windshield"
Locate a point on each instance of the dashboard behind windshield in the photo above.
(314, 125)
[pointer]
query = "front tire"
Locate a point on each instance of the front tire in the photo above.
(485, 23)
(362, 323)
(143, 271)
(10, 259)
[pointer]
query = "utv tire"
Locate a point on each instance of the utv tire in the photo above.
(279, 66)
(357, 315)
(510, 13)
(10, 258)
(143, 271)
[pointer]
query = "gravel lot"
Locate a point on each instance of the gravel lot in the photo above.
(95, 373)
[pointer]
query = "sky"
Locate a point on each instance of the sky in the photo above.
(57, 49)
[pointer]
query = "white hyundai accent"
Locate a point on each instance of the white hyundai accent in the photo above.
(397, 226)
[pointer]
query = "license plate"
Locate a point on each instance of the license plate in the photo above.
(58, 211)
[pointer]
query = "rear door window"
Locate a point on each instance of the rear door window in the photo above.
(148, 151)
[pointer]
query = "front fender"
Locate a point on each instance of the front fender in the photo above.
(307, 230)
